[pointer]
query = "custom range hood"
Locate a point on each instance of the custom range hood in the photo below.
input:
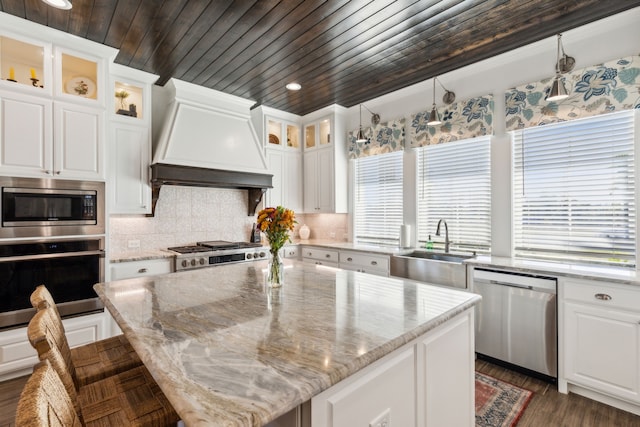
(206, 139)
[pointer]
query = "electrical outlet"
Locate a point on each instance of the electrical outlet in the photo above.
(133, 244)
(332, 234)
(382, 420)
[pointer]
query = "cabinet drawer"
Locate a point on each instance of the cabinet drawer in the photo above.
(126, 270)
(291, 251)
(364, 260)
(320, 254)
(602, 294)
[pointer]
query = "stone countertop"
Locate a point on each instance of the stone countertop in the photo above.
(333, 244)
(141, 256)
(228, 351)
(588, 272)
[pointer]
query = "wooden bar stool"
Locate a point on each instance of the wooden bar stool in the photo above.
(44, 401)
(94, 361)
(130, 398)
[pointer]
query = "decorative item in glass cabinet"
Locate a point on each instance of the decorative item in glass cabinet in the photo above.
(276, 223)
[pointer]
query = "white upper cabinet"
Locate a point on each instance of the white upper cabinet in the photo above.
(52, 99)
(129, 113)
(325, 161)
(78, 142)
(26, 135)
(281, 137)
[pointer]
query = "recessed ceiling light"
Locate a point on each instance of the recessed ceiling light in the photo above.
(60, 4)
(293, 86)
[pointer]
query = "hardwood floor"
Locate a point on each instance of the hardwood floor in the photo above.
(547, 407)
(9, 395)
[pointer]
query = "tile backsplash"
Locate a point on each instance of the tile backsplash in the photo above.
(185, 215)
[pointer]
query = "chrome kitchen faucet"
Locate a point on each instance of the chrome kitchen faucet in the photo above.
(446, 234)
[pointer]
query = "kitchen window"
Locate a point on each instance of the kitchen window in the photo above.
(454, 184)
(574, 190)
(378, 199)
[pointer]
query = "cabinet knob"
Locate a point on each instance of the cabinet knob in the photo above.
(142, 270)
(603, 297)
(374, 262)
(57, 172)
(47, 172)
(327, 256)
(349, 259)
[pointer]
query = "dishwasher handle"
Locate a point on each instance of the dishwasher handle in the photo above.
(512, 285)
(520, 281)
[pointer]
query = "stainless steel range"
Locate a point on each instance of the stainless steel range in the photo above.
(206, 254)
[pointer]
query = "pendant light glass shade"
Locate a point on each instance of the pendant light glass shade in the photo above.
(558, 89)
(434, 117)
(360, 137)
(60, 4)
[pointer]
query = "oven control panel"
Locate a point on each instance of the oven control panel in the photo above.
(212, 258)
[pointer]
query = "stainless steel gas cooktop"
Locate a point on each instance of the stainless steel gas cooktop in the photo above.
(205, 254)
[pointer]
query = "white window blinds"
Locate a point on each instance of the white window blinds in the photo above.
(574, 191)
(454, 184)
(378, 199)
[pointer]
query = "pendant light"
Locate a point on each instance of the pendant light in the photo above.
(60, 4)
(558, 89)
(434, 117)
(360, 137)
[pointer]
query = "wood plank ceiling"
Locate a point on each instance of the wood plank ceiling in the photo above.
(340, 51)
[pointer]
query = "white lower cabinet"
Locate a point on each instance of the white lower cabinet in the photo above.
(365, 262)
(320, 256)
(131, 269)
(17, 356)
(291, 251)
(601, 335)
(428, 382)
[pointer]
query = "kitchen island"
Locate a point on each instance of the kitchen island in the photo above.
(228, 351)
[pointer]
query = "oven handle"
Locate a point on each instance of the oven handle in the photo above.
(100, 253)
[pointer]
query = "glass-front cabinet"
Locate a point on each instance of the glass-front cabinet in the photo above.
(52, 101)
(129, 99)
(283, 134)
(317, 134)
(23, 65)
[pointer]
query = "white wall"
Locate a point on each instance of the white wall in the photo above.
(611, 38)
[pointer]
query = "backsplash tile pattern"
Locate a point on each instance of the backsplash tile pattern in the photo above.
(325, 226)
(185, 215)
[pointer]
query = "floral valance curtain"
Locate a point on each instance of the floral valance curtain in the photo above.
(460, 120)
(600, 89)
(382, 138)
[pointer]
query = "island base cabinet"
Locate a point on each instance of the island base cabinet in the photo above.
(428, 382)
(447, 365)
(382, 393)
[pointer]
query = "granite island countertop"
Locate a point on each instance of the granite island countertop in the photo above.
(228, 351)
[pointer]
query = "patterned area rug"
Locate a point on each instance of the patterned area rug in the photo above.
(499, 404)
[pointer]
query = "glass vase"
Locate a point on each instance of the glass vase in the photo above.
(275, 271)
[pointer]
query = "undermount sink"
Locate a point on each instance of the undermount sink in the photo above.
(432, 267)
(438, 256)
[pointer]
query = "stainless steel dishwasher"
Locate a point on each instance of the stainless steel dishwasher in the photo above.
(516, 321)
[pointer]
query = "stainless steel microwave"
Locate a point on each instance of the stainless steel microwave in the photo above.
(32, 207)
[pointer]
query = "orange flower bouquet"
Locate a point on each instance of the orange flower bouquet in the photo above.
(276, 223)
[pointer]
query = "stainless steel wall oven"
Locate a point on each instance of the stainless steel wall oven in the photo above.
(68, 268)
(51, 233)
